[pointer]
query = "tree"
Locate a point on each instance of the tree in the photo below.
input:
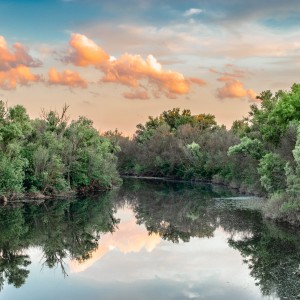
(271, 171)
(247, 146)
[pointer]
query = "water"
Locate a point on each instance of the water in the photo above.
(147, 240)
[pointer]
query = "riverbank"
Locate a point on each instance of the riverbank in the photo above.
(266, 208)
(38, 196)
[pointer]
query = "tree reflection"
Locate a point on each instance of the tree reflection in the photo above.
(13, 268)
(177, 212)
(12, 261)
(180, 211)
(62, 229)
(273, 256)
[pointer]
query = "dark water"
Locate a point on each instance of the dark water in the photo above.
(147, 240)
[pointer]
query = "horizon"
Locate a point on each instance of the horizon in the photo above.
(118, 63)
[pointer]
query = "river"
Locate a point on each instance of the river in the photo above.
(147, 240)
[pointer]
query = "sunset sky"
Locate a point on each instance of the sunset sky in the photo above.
(117, 62)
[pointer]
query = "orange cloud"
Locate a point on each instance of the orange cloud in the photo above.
(134, 71)
(235, 89)
(85, 52)
(67, 78)
(19, 75)
(14, 66)
(129, 70)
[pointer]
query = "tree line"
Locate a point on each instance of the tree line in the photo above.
(259, 154)
(50, 155)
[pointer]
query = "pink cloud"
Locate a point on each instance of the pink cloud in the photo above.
(129, 70)
(67, 78)
(143, 95)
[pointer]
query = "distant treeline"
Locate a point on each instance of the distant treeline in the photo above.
(50, 155)
(260, 154)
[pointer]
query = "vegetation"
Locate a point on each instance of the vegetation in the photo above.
(51, 156)
(259, 154)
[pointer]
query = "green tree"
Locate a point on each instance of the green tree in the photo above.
(247, 146)
(272, 174)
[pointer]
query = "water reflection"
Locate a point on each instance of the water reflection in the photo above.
(148, 216)
(62, 229)
(180, 211)
(127, 239)
(176, 212)
(13, 262)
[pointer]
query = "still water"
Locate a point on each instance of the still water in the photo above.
(147, 240)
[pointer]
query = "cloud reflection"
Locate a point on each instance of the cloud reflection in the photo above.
(129, 238)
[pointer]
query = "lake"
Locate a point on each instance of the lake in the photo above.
(150, 239)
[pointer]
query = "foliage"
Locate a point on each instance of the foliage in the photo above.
(50, 156)
(271, 170)
(247, 146)
(259, 154)
(174, 119)
(285, 204)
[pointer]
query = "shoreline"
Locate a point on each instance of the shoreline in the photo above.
(280, 221)
(40, 198)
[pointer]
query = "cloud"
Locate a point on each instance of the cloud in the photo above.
(134, 71)
(67, 78)
(197, 81)
(10, 59)
(192, 12)
(129, 70)
(233, 88)
(15, 66)
(138, 94)
(85, 52)
(129, 238)
(231, 72)
(215, 43)
(256, 10)
(19, 75)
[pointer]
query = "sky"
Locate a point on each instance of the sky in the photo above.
(118, 62)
